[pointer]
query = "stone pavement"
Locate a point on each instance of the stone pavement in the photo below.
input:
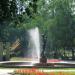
(6, 71)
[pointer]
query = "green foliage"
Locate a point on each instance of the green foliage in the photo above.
(53, 17)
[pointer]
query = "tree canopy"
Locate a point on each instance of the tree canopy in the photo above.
(55, 19)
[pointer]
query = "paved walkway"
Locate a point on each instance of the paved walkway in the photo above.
(6, 71)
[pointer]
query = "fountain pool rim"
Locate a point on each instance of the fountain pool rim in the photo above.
(27, 64)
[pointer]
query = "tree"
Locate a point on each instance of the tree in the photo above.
(62, 30)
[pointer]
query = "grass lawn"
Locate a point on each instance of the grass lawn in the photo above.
(20, 59)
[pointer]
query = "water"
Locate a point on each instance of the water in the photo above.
(34, 44)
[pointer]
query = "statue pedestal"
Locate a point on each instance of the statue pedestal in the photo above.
(43, 60)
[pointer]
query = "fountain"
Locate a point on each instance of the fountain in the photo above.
(34, 45)
(34, 51)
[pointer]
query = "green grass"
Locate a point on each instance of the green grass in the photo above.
(20, 59)
(58, 68)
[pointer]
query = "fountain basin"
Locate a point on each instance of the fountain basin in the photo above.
(16, 64)
(28, 64)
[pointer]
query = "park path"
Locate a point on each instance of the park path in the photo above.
(6, 71)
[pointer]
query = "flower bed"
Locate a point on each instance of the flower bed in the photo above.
(34, 71)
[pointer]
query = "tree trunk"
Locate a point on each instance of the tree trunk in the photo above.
(1, 51)
(73, 54)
